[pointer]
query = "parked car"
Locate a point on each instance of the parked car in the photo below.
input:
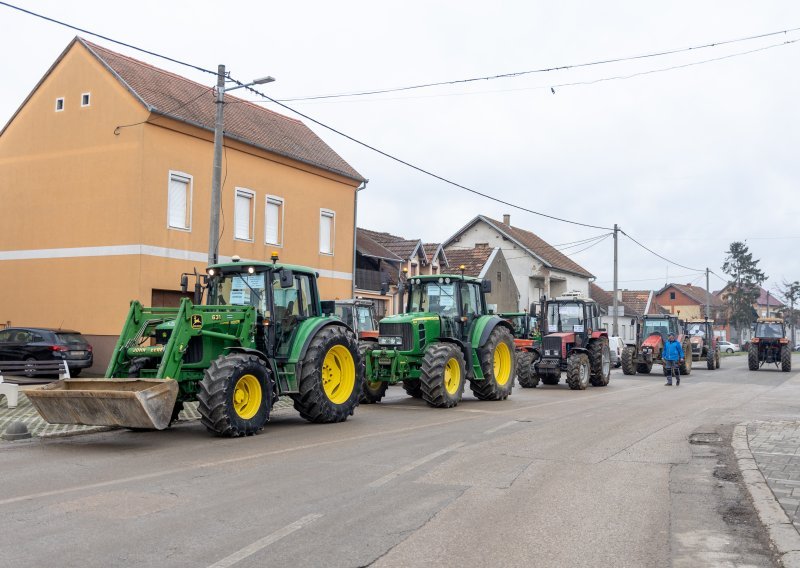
(727, 346)
(616, 346)
(46, 344)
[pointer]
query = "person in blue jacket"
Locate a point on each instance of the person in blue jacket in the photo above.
(673, 356)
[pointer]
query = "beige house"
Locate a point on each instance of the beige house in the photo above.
(105, 177)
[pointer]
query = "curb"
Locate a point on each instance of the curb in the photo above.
(782, 533)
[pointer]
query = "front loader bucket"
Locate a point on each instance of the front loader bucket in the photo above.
(131, 403)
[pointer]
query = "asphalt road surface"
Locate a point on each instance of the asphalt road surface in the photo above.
(633, 474)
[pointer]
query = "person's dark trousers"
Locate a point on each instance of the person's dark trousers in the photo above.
(674, 371)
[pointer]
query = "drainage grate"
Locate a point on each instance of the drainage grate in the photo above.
(705, 438)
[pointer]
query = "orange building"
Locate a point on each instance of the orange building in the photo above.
(105, 177)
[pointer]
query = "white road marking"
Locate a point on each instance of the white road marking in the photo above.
(498, 428)
(415, 464)
(262, 543)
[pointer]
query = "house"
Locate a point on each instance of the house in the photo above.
(537, 267)
(688, 302)
(105, 177)
(378, 270)
(416, 259)
(632, 303)
(488, 264)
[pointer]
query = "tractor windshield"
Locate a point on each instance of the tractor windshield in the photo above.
(242, 290)
(565, 316)
(696, 329)
(434, 297)
(365, 321)
(345, 313)
(659, 326)
(769, 330)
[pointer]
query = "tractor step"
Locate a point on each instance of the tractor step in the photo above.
(130, 403)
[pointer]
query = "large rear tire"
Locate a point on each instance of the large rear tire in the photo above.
(372, 392)
(413, 388)
(685, 368)
(752, 358)
(235, 395)
(497, 364)
(578, 371)
(786, 359)
(629, 361)
(443, 375)
(710, 362)
(600, 360)
(525, 370)
(331, 378)
(716, 358)
(644, 368)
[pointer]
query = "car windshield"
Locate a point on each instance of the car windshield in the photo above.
(435, 297)
(242, 290)
(71, 338)
(769, 329)
(660, 326)
(569, 314)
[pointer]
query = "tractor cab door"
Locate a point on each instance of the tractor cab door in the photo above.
(292, 305)
(470, 307)
(364, 319)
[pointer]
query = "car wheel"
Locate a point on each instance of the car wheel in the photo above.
(729, 350)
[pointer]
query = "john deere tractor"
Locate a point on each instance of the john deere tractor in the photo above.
(704, 344)
(769, 345)
(527, 342)
(573, 341)
(261, 335)
(445, 338)
(652, 332)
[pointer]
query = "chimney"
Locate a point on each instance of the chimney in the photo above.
(507, 219)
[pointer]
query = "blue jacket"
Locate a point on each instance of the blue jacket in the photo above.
(673, 351)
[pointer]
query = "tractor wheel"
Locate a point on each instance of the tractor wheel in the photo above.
(629, 361)
(497, 364)
(235, 395)
(644, 368)
(686, 367)
(413, 388)
(600, 359)
(373, 391)
(786, 359)
(332, 377)
(526, 374)
(710, 362)
(443, 375)
(578, 371)
(716, 358)
(752, 358)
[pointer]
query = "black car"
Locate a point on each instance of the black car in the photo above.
(46, 344)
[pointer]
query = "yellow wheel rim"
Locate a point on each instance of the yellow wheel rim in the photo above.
(452, 376)
(502, 364)
(247, 397)
(338, 374)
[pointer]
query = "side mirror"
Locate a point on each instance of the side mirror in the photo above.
(328, 306)
(486, 286)
(184, 283)
(287, 278)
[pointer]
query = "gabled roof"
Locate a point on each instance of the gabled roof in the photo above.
(434, 250)
(693, 292)
(366, 246)
(404, 248)
(530, 243)
(474, 260)
(167, 94)
(767, 298)
(642, 302)
(605, 299)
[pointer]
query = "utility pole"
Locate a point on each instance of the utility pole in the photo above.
(216, 172)
(615, 306)
(708, 297)
(767, 303)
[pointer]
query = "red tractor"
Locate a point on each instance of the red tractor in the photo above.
(527, 344)
(704, 345)
(651, 334)
(572, 341)
(769, 345)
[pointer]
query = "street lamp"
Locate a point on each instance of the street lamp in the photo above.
(216, 174)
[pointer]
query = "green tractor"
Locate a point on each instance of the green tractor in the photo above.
(445, 338)
(261, 335)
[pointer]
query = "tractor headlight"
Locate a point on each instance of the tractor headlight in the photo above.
(389, 340)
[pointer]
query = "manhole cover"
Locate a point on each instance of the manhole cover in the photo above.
(705, 438)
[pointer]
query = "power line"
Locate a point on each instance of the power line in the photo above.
(91, 33)
(551, 69)
(414, 167)
(658, 255)
(590, 246)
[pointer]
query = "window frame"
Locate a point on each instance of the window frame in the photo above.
(282, 202)
(88, 100)
(332, 215)
(60, 104)
(189, 200)
(252, 223)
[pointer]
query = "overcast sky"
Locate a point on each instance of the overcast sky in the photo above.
(685, 161)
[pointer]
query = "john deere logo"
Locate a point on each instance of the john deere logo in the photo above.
(197, 321)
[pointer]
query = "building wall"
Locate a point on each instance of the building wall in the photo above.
(681, 305)
(504, 294)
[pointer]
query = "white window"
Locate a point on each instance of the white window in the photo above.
(326, 230)
(273, 221)
(85, 99)
(243, 215)
(59, 104)
(179, 201)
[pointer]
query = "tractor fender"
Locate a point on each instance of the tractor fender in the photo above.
(269, 363)
(484, 327)
(465, 347)
(308, 329)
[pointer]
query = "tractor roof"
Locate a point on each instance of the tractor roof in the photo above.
(437, 277)
(769, 320)
(700, 321)
(260, 266)
(572, 299)
(659, 316)
(512, 314)
(354, 302)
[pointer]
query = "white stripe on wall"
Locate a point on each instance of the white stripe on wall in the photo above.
(146, 250)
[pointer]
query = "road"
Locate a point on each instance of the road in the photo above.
(633, 474)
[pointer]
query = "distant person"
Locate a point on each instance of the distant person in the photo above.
(673, 356)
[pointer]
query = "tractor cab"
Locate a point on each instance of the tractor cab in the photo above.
(525, 325)
(769, 345)
(359, 314)
(457, 301)
(659, 327)
(568, 314)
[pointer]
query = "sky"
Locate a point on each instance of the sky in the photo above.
(686, 152)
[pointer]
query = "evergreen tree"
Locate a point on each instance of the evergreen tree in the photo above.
(744, 287)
